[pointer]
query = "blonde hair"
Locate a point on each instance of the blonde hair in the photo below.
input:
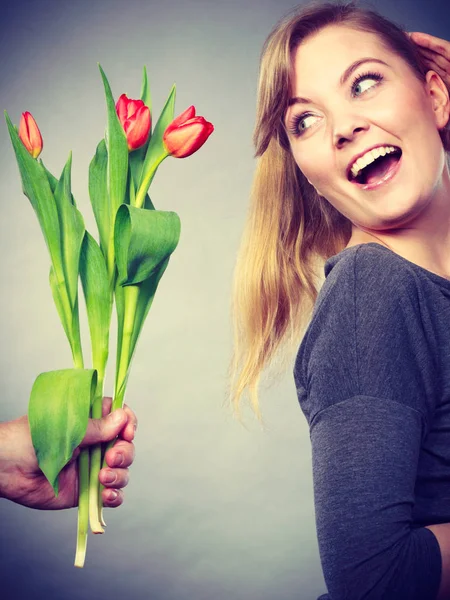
(290, 230)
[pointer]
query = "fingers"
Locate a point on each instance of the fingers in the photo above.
(106, 428)
(431, 42)
(112, 498)
(114, 478)
(121, 455)
(131, 426)
(437, 58)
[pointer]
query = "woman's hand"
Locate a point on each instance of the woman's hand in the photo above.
(23, 482)
(435, 52)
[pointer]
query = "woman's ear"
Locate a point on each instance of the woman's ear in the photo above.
(439, 95)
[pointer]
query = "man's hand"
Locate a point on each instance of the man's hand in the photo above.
(23, 482)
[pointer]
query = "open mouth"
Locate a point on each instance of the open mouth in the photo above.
(378, 170)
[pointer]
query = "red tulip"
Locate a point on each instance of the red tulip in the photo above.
(135, 119)
(186, 134)
(30, 135)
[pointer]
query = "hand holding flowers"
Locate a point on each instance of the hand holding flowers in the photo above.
(22, 481)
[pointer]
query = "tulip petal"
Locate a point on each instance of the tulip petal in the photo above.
(189, 113)
(188, 137)
(139, 128)
(156, 150)
(121, 108)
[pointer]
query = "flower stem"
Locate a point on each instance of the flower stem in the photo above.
(83, 485)
(95, 464)
(131, 297)
(83, 507)
(143, 189)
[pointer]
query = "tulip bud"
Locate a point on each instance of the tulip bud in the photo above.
(186, 134)
(135, 119)
(30, 135)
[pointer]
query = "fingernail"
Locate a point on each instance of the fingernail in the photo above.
(112, 495)
(110, 477)
(118, 461)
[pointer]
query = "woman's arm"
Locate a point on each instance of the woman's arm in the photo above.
(442, 534)
(366, 377)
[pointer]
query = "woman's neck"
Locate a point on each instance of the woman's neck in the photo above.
(426, 240)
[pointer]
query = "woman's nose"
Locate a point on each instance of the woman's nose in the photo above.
(348, 129)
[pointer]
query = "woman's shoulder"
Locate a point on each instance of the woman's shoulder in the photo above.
(368, 260)
(364, 274)
(367, 327)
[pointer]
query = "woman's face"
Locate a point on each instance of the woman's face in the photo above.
(378, 103)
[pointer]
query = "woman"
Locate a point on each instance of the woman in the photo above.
(352, 136)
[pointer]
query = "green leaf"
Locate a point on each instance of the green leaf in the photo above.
(53, 181)
(136, 157)
(156, 150)
(66, 319)
(142, 240)
(145, 90)
(94, 279)
(69, 318)
(98, 193)
(147, 291)
(58, 413)
(117, 147)
(72, 232)
(36, 187)
(148, 204)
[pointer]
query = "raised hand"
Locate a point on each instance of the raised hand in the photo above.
(435, 52)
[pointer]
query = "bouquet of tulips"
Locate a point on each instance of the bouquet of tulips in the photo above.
(125, 266)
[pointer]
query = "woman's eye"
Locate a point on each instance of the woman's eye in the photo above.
(365, 82)
(302, 123)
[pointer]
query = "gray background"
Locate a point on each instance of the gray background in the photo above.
(213, 510)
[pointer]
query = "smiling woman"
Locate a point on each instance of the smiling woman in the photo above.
(353, 181)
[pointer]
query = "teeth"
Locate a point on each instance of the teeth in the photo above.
(370, 157)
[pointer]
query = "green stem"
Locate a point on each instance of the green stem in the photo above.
(131, 296)
(143, 188)
(95, 462)
(83, 507)
(83, 487)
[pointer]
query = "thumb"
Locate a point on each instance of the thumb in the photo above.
(104, 429)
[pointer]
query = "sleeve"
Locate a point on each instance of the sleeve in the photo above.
(366, 375)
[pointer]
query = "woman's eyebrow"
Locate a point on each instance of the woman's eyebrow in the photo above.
(344, 77)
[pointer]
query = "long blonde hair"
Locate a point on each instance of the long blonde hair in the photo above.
(290, 230)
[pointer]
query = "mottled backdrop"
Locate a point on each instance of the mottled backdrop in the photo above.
(213, 511)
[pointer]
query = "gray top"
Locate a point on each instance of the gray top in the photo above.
(373, 380)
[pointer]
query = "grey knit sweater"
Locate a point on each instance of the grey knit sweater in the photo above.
(373, 380)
